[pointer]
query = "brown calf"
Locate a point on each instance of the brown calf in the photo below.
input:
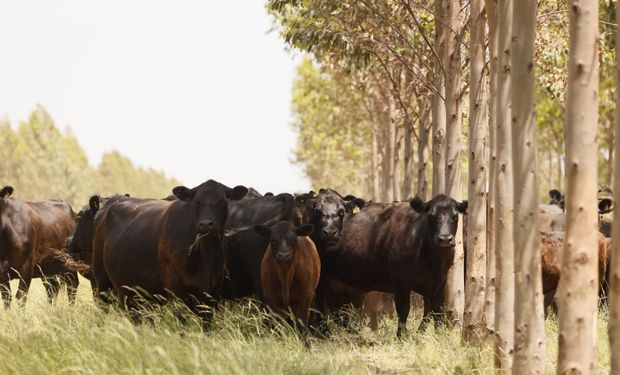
(290, 269)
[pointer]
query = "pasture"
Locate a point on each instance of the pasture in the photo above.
(44, 339)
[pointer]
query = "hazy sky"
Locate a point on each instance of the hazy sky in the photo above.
(198, 89)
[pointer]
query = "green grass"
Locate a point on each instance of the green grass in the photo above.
(43, 339)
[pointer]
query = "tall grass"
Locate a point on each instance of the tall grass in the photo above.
(43, 339)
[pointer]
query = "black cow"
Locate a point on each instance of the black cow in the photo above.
(80, 244)
(398, 248)
(164, 247)
(328, 211)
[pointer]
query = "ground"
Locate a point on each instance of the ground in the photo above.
(43, 339)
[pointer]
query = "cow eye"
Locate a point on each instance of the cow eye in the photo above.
(341, 213)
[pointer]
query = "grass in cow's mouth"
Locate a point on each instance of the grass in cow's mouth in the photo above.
(242, 339)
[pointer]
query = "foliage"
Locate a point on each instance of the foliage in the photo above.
(42, 162)
(333, 131)
(378, 43)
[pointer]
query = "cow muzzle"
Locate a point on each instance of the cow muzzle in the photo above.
(284, 258)
(206, 226)
(446, 240)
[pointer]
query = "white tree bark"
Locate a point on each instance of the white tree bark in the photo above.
(490, 290)
(578, 288)
(504, 244)
(454, 297)
(614, 272)
(529, 355)
(477, 214)
(439, 106)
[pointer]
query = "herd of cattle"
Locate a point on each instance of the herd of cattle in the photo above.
(296, 253)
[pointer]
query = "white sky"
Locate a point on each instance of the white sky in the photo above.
(197, 89)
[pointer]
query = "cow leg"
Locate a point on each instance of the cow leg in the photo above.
(24, 284)
(72, 282)
(302, 314)
(426, 317)
(103, 286)
(403, 305)
(374, 325)
(52, 286)
(5, 289)
(197, 306)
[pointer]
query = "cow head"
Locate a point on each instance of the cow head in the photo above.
(6, 192)
(557, 198)
(328, 212)
(283, 239)
(210, 203)
(442, 213)
(80, 243)
(605, 205)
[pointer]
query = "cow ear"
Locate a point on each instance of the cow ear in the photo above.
(462, 207)
(6, 191)
(555, 195)
(418, 205)
(312, 194)
(183, 193)
(321, 191)
(350, 205)
(93, 203)
(359, 203)
(262, 230)
(268, 194)
(605, 205)
(305, 230)
(236, 193)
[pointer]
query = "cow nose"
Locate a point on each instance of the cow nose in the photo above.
(328, 232)
(205, 226)
(283, 257)
(446, 238)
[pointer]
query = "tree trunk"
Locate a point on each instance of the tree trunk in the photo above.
(375, 165)
(504, 243)
(390, 151)
(439, 106)
(477, 215)
(578, 288)
(408, 160)
(422, 188)
(454, 294)
(614, 272)
(489, 303)
(560, 174)
(397, 152)
(529, 318)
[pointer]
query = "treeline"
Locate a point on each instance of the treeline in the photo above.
(364, 106)
(42, 162)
